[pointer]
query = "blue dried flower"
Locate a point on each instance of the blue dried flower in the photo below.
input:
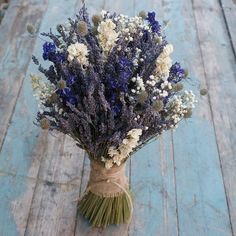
(145, 35)
(115, 104)
(48, 48)
(151, 17)
(68, 95)
(60, 57)
(177, 72)
(124, 63)
(156, 27)
(124, 73)
(71, 80)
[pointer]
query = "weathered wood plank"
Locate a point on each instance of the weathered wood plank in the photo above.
(220, 71)
(62, 160)
(15, 196)
(152, 176)
(153, 184)
(15, 53)
(53, 210)
(229, 8)
(201, 200)
(24, 136)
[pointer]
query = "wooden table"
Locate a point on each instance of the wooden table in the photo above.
(184, 183)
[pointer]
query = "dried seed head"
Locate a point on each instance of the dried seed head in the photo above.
(142, 97)
(158, 105)
(142, 14)
(177, 87)
(61, 84)
(31, 29)
(186, 73)
(82, 28)
(53, 98)
(95, 30)
(203, 91)
(44, 123)
(188, 114)
(158, 40)
(96, 19)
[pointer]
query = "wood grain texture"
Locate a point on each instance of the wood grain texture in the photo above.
(15, 54)
(16, 194)
(152, 175)
(220, 72)
(30, 160)
(198, 172)
(229, 12)
(14, 213)
(54, 206)
(153, 184)
(198, 181)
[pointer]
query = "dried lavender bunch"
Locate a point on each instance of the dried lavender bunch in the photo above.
(111, 84)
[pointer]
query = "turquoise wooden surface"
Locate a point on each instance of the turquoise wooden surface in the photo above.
(24, 159)
(198, 172)
(184, 183)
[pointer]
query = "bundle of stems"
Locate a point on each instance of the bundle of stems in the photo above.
(103, 211)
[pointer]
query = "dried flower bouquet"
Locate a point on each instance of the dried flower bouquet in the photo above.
(112, 87)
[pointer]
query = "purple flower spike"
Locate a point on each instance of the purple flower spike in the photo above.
(156, 27)
(48, 48)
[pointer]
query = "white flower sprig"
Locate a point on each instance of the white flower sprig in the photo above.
(42, 90)
(78, 51)
(181, 105)
(163, 63)
(107, 35)
(124, 150)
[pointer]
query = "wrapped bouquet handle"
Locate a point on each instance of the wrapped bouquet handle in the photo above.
(107, 199)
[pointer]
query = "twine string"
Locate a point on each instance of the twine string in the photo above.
(96, 182)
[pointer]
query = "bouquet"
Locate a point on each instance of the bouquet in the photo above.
(110, 85)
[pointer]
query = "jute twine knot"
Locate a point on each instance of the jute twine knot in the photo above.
(108, 182)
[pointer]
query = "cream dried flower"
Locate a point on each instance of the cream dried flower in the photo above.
(167, 50)
(78, 51)
(124, 150)
(108, 164)
(107, 35)
(163, 63)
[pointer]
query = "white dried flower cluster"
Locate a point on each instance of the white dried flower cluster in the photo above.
(129, 25)
(181, 104)
(78, 51)
(103, 13)
(152, 80)
(137, 57)
(139, 85)
(166, 85)
(43, 90)
(107, 35)
(189, 99)
(164, 62)
(123, 151)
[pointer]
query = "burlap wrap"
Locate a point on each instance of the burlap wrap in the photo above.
(101, 181)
